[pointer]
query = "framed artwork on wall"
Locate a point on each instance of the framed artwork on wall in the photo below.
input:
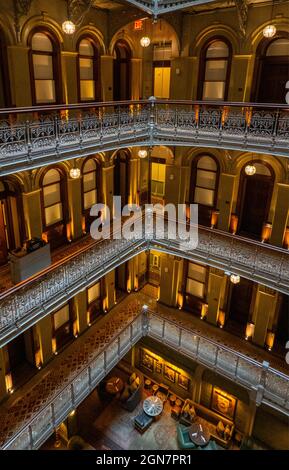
(158, 366)
(183, 381)
(223, 403)
(169, 373)
(147, 361)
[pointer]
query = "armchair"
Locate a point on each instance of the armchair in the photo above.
(184, 440)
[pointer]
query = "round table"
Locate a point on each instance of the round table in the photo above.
(153, 406)
(199, 434)
(114, 385)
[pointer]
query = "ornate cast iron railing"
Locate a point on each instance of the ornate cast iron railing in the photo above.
(270, 385)
(159, 7)
(23, 305)
(33, 137)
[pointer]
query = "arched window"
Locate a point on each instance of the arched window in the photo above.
(4, 75)
(45, 71)
(52, 192)
(88, 70)
(205, 175)
(89, 183)
(195, 287)
(121, 71)
(271, 70)
(215, 70)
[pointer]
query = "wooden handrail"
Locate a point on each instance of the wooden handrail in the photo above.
(103, 104)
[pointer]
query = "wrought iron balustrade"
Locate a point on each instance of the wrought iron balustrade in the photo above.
(23, 305)
(271, 386)
(36, 136)
(158, 7)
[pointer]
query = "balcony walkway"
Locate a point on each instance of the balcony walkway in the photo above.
(80, 130)
(30, 415)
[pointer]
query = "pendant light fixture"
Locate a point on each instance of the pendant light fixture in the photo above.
(145, 40)
(250, 169)
(235, 278)
(68, 27)
(142, 153)
(270, 30)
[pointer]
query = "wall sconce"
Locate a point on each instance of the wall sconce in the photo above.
(204, 311)
(214, 218)
(68, 232)
(234, 224)
(221, 318)
(180, 301)
(270, 337)
(178, 71)
(266, 232)
(54, 346)
(75, 329)
(250, 328)
(38, 359)
(286, 239)
(9, 383)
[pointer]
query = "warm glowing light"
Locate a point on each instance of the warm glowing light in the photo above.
(74, 173)
(221, 318)
(68, 27)
(270, 340)
(9, 382)
(138, 25)
(235, 279)
(72, 413)
(269, 31)
(249, 330)
(145, 41)
(142, 153)
(250, 170)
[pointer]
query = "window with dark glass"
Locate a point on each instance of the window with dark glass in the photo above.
(43, 69)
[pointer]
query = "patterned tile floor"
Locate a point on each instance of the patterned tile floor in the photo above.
(21, 407)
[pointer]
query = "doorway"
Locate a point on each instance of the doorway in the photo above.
(240, 297)
(122, 71)
(254, 200)
(121, 176)
(11, 236)
(272, 70)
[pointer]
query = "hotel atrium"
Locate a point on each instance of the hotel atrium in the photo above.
(135, 343)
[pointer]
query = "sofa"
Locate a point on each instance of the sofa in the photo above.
(221, 428)
(132, 392)
(183, 437)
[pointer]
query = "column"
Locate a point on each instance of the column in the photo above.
(263, 314)
(136, 78)
(280, 219)
(74, 192)
(109, 291)
(240, 86)
(44, 335)
(69, 76)
(3, 391)
(183, 78)
(170, 279)
(225, 200)
(106, 70)
(80, 310)
(32, 213)
(133, 181)
(19, 74)
(108, 183)
(215, 296)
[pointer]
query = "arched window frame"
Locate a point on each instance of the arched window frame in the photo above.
(96, 68)
(97, 174)
(260, 57)
(127, 60)
(203, 61)
(56, 65)
(62, 199)
(194, 173)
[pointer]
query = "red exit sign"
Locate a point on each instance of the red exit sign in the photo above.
(138, 24)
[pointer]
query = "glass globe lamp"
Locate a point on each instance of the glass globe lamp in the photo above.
(269, 31)
(250, 170)
(74, 173)
(142, 153)
(68, 27)
(145, 41)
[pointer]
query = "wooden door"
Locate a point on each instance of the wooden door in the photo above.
(272, 82)
(16, 352)
(3, 241)
(256, 199)
(240, 301)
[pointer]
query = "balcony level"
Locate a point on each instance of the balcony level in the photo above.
(38, 136)
(159, 7)
(32, 413)
(84, 264)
